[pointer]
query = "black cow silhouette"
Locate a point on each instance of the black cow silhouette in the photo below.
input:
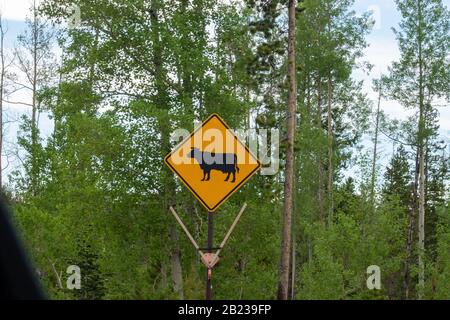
(225, 162)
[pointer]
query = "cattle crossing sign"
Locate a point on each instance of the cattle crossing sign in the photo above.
(212, 162)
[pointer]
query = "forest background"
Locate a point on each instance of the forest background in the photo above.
(88, 106)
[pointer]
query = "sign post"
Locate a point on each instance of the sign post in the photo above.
(201, 161)
(208, 295)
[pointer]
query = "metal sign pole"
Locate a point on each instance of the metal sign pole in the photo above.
(209, 258)
(209, 246)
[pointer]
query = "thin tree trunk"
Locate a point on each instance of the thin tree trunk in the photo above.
(375, 146)
(283, 285)
(421, 225)
(421, 162)
(34, 125)
(293, 272)
(330, 152)
(411, 229)
(293, 266)
(2, 89)
(320, 191)
(426, 166)
(57, 276)
(164, 126)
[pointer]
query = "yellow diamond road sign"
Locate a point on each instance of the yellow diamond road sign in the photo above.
(212, 162)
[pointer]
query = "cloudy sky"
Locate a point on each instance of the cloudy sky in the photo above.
(381, 52)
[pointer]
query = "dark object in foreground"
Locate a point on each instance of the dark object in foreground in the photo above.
(17, 279)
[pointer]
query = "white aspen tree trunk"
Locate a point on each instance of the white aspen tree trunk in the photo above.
(169, 185)
(421, 139)
(375, 146)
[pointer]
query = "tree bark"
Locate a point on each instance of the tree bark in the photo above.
(283, 285)
(330, 151)
(293, 268)
(421, 225)
(320, 191)
(2, 90)
(164, 126)
(421, 140)
(34, 125)
(411, 229)
(375, 146)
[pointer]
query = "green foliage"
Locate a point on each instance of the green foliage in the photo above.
(438, 285)
(132, 73)
(357, 239)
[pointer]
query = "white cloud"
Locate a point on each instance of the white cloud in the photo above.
(16, 9)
